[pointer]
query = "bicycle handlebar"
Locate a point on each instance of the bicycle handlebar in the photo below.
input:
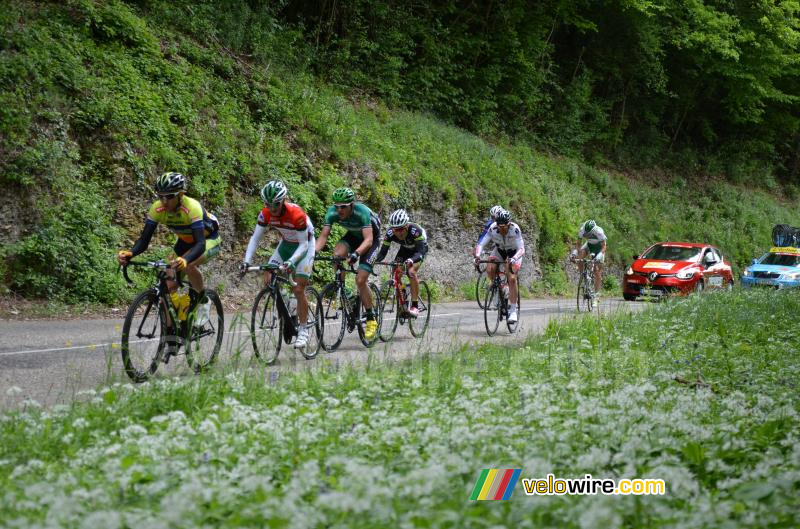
(159, 265)
(275, 270)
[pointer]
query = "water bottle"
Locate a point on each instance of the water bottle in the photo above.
(181, 303)
(505, 290)
(352, 298)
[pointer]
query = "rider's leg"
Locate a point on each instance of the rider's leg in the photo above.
(414, 280)
(513, 288)
(363, 289)
(598, 277)
(302, 303)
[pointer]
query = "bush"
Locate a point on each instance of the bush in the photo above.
(70, 257)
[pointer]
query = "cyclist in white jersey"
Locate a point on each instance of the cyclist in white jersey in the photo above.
(508, 244)
(595, 245)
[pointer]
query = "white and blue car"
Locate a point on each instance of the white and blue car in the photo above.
(778, 268)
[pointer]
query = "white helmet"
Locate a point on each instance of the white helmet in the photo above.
(495, 211)
(398, 218)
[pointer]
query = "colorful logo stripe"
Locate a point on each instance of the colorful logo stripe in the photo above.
(495, 484)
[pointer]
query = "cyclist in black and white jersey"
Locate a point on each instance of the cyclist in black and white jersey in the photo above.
(508, 244)
(493, 212)
(413, 243)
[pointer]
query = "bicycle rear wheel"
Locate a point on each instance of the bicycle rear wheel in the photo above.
(491, 309)
(390, 311)
(480, 287)
(205, 338)
(362, 316)
(266, 327)
(144, 336)
(419, 325)
(332, 316)
(314, 324)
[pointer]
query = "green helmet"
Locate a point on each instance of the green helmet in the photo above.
(344, 195)
(273, 192)
(588, 226)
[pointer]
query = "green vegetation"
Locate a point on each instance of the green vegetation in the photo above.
(96, 98)
(700, 393)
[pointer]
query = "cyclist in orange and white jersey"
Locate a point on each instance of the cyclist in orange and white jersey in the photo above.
(294, 253)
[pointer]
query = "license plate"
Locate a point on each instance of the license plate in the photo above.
(652, 292)
(715, 281)
(770, 282)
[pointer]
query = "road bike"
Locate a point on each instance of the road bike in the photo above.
(153, 332)
(496, 305)
(586, 294)
(273, 319)
(395, 301)
(342, 310)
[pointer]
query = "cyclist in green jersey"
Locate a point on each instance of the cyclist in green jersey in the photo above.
(198, 237)
(360, 244)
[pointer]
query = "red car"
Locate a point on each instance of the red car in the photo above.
(676, 268)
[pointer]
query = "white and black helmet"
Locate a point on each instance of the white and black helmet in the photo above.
(398, 218)
(495, 211)
(504, 217)
(170, 183)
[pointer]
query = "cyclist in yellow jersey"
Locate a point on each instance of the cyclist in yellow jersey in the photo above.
(197, 231)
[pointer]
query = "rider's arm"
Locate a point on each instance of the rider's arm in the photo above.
(302, 248)
(481, 243)
(199, 236)
(364, 247)
(252, 246)
(520, 245)
(323, 238)
(385, 245)
(143, 241)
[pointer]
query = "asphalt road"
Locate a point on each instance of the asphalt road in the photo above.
(53, 361)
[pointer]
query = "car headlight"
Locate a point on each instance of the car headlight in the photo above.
(629, 272)
(747, 272)
(685, 274)
(793, 275)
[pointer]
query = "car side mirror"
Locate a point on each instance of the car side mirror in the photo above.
(755, 261)
(635, 257)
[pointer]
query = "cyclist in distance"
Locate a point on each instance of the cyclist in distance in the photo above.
(596, 245)
(295, 252)
(198, 237)
(360, 244)
(413, 243)
(508, 244)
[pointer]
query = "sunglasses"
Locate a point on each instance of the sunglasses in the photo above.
(276, 205)
(341, 206)
(401, 228)
(168, 196)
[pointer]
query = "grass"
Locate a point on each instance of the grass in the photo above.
(699, 392)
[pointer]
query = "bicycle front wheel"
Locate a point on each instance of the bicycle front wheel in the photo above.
(332, 316)
(205, 337)
(480, 288)
(144, 336)
(584, 296)
(492, 312)
(419, 325)
(390, 311)
(265, 327)
(361, 322)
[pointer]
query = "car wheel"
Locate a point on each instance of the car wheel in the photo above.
(730, 286)
(698, 287)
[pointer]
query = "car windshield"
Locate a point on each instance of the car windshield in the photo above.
(672, 253)
(781, 259)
